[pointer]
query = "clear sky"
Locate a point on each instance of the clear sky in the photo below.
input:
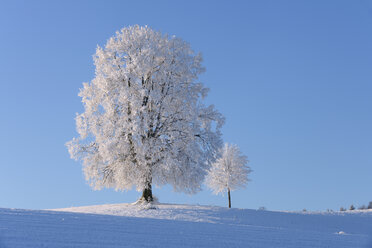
(292, 78)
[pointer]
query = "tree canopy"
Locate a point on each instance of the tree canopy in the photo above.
(144, 120)
(229, 172)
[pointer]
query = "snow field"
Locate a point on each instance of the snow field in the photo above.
(131, 225)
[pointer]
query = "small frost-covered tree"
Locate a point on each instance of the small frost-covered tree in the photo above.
(144, 121)
(229, 172)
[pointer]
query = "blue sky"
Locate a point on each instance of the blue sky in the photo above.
(292, 78)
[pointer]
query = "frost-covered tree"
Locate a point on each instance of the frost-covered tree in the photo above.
(229, 172)
(144, 121)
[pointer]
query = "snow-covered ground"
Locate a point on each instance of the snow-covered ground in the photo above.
(133, 225)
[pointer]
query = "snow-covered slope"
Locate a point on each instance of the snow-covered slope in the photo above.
(132, 225)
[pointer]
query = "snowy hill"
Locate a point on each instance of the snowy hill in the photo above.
(132, 225)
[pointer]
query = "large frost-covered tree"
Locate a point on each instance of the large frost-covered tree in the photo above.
(144, 121)
(229, 172)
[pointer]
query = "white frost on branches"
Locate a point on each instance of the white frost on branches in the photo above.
(144, 120)
(229, 172)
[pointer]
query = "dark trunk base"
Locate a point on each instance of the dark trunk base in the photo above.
(147, 195)
(228, 192)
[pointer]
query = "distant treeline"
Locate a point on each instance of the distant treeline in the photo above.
(362, 207)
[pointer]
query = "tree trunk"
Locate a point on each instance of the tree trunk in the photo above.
(147, 193)
(228, 193)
